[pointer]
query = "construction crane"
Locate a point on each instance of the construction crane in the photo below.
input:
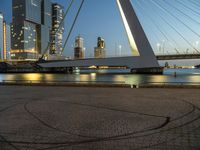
(41, 59)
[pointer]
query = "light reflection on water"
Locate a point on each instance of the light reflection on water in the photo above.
(183, 75)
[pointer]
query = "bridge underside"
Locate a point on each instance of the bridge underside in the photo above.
(132, 62)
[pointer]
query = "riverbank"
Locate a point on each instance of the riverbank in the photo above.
(34, 117)
(184, 77)
(65, 84)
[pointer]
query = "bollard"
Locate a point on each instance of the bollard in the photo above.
(175, 74)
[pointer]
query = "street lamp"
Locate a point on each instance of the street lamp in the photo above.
(120, 50)
(159, 47)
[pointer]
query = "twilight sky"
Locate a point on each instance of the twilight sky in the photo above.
(168, 24)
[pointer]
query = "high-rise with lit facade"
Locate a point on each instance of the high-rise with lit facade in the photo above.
(30, 30)
(99, 51)
(79, 50)
(1, 36)
(4, 39)
(57, 29)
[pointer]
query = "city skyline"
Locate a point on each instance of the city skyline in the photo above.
(90, 26)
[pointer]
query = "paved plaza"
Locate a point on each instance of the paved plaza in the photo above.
(81, 118)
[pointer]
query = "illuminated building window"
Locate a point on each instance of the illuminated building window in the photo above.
(15, 7)
(34, 3)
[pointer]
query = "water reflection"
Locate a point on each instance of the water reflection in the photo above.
(135, 79)
(119, 78)
(32, 76)
(82, 77)
(182, 76)
(160, 78)
(93, 76)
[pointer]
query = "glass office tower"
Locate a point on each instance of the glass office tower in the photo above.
(30, 28)
(46, 26)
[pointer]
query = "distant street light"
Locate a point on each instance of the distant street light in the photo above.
(163, 46)
(197, 44)
(120, 50)
(159, 47)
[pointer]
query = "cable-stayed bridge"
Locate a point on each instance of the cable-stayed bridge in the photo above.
(142, 51)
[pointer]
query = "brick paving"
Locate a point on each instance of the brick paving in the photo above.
(81, 118)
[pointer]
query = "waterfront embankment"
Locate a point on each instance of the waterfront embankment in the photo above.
(101, 84)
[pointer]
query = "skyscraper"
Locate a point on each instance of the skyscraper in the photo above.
(79, 50)
(30, 28)
(4, 38)
(46, 25)
(6, 41)
(57, 29)
(99, 51)
(1, 36)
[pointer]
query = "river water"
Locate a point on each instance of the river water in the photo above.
(111, 76)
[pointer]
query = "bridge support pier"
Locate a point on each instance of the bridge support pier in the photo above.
(148, 70)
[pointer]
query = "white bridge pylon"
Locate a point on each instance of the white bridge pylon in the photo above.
(138, 41)
(143, 55)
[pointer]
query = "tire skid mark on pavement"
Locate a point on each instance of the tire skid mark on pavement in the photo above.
(167, 119)
(130, 136)
(111, 138)
(4, 140)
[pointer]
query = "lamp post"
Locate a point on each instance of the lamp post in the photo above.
(120, 50)
(159, 47)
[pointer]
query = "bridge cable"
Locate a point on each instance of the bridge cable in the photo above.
(186, 6)
(195, 3)
(164, 9)
(161, 30)
(176, 29)
(72, 27)
(57, 29)
(182, 12)
(156, 37)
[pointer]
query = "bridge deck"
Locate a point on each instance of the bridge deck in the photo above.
(178, 56)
